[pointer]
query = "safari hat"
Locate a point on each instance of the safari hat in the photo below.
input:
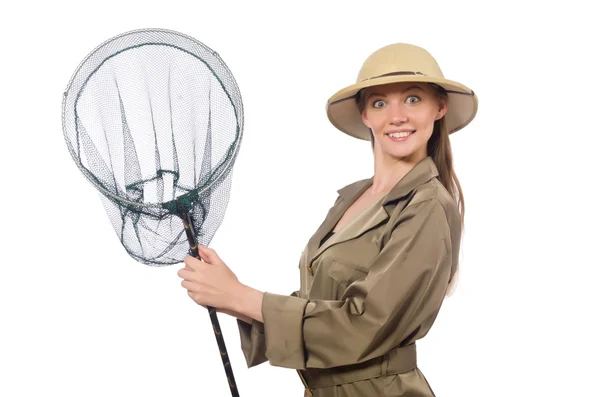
(393, 64)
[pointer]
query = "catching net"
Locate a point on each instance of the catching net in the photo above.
(154, 118)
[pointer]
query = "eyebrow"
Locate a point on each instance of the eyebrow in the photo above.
(406, 90)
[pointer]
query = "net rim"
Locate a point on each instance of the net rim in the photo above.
(224, 168)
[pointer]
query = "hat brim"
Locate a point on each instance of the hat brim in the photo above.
(342, 109)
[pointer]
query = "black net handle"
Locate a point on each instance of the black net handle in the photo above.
(189, 231)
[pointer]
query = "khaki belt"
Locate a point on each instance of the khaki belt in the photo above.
(397, 361)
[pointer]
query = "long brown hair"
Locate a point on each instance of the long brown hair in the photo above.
(440, 150)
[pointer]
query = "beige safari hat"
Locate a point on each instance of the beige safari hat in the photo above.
(393, 64)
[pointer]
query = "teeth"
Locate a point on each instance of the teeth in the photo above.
(399, 134)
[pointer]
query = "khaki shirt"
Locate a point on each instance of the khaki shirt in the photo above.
(367, 294)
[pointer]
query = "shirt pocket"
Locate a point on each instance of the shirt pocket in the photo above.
(345, 273)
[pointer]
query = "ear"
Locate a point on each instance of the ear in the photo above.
(365, 120)
(442, 109)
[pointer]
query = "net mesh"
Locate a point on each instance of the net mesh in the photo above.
(154, 118)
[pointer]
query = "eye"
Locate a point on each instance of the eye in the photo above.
(413, 99)
(378, 104)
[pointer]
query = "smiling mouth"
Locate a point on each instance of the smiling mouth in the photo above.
(400, 135)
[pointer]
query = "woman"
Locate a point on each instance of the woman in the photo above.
(374, 275)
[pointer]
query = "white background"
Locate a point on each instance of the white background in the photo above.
(79, 317)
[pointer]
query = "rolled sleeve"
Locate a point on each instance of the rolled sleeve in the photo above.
(253, 341)
(252, 338)
(283, 318)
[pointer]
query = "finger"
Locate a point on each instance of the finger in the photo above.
(209, 255)
(204, 254)
(191, 262)
(192, 276)
(196, 298)
(192, 295)
(188, 274)
(190, 286)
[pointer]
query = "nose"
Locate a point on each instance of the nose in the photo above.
(398, 114)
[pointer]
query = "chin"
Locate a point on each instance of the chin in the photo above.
(403, 154)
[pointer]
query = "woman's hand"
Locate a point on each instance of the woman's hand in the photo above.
(212, 283)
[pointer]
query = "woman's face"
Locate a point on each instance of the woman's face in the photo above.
(401, 117)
